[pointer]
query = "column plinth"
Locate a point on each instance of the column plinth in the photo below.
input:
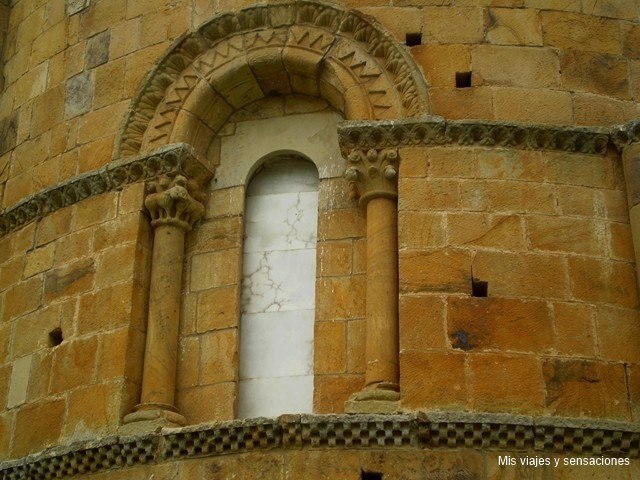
(373, 178)
(174, 206)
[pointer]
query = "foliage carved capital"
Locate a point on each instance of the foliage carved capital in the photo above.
(373, 173)
(174, 201)
(626, 135)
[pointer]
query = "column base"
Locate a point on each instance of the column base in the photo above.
(377, 398)
(151, 417)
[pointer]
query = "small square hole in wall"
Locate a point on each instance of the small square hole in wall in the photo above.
(413, 39)
(370, 475)
(55, 337)
(463, 79)
(479, 288)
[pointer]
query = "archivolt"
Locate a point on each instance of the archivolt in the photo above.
(304, 47)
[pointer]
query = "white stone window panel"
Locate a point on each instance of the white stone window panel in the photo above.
(276, 344)
(292, 176)
(270, 397)
(285, 221)
(279, 280)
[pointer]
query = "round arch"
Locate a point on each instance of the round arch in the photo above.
(304, 47)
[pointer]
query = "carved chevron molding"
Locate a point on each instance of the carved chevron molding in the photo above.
(431, 430)
(432, 131)
(171, 160)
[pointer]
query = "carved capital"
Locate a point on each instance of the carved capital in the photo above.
(626, 135)
(373, 173)
(174, 201)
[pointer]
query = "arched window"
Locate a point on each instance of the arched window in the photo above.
(278, 289)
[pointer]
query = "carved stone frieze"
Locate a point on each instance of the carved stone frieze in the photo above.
(373, 173)
(626, 134)
(435, 430)
(223, 43)
(431, 131)
(171, 160)
(175, 201)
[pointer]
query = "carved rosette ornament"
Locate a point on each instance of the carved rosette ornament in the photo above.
(174, 201)
(373, 174)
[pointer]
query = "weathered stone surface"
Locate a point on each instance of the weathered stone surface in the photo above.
(69, 280)
(584, 388)
(596, 73)
(37, 426)
(79, 95)
(75, 6)
(580, 32)
(515, 66)
(98, 49)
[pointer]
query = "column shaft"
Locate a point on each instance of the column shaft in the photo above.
(382, 292)
(158, 385)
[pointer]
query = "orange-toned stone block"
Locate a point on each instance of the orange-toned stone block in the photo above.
(418, 229)
(47, 44)
(482, 230)
(509, 197)
(345, 466)
(122, 229)
(515, 66)
(422, 322)
(502, 382)
(356, 358)
(413, 162)
(596, 280)
(93, 410)
(70, 279)
(477, 324)
(131, 198)
(210, 403)
(624, 9)
(226, 202)
(444, 270)
(219, 357)
(188, 362)
(620, 242)
(39, 260)
(340, 224)
(510, 164)
(397, 21)
(31, 331)
(331, 391)
(330, 347)
(510, 26)
(11, 272)
(73, 246)
(37, 425)
(48, 109)
(600, 110)
(23, 298)
(252, 465)
(121, 354)
(94, 210)
(334, 258)
(431, 380)
(565, 234)
(618, 334)
(453, 25)
(592, 72)
(74, 364)
(428, 194)
(216, 234)
(462, 103)
(588, 171)
(440, 63)
(100, 16)
(105, 309)
(446, 162)
(215, 269)
(340, 298)
(580, 388)
(513, 274)
(95, 154)
(218, 308)
(580, 32)
(138, 65)
(118, 263)
(574, 324)
(533, 105)
(102, 122)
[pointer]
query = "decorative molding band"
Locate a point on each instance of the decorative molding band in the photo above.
(423, 430)
(433, 131)
(170, 160)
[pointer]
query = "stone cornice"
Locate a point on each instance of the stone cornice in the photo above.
(433, 131)
(436, 430)
(170, 160)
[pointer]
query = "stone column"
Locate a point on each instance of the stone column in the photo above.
(373, 177)
(174, 205)
(627, 139)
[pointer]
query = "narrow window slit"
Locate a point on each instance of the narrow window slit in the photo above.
(463, 79)
(370, 475)
(55, 337)
(479, 288)
(413, 39)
